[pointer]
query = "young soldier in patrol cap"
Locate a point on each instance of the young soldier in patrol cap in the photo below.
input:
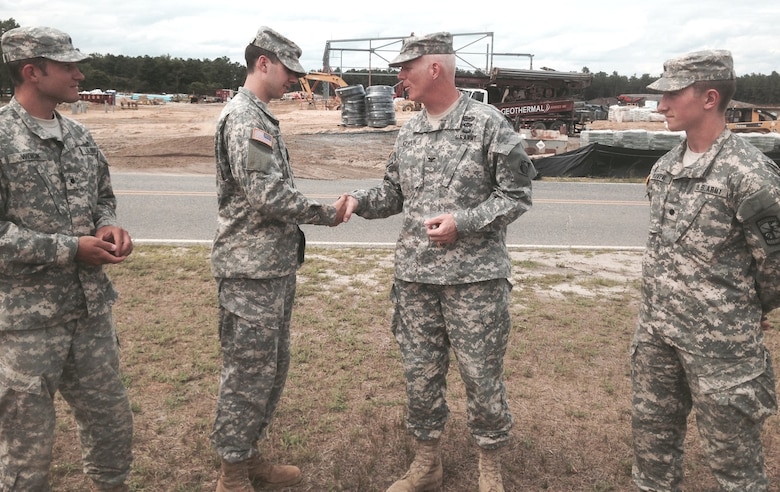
(460, 175)
(709, 277)
(58, 228)
(255, 256)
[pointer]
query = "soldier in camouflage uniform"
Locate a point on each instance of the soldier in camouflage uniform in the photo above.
(57, 228)
(256, 253)
(710, 276)
(460, 175)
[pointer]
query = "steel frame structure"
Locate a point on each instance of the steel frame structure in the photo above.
(351, 54)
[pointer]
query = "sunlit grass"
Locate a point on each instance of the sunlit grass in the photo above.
(341, 418)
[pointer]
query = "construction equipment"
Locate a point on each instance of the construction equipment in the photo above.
(535, 99)
(756, 120)
(311, 81)
(402, 101)
(631, 100)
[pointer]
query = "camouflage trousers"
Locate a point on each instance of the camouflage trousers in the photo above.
(80, 359)
(254, 333)
(473, 320)
(667, 383)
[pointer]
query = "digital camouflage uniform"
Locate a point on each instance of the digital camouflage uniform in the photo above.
(710, 272)
(472, 165)
(255, 256)
(56, 329)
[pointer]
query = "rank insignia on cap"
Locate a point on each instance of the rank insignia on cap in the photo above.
(262, 137)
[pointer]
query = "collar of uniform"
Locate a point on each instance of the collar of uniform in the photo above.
(259, 103)
(450, 122)
(30, 122)
(453, 120)
(701, 167)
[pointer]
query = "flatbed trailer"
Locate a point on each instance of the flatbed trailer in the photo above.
(535, 99)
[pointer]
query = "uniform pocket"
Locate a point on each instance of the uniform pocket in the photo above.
(19, 382)
(452, 165)
(687, 233)
(29, 181)
(748, 386)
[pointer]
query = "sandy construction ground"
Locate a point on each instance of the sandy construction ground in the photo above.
(178, 137)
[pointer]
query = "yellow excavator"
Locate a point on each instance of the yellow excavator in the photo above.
(754, 120)
(312, 80)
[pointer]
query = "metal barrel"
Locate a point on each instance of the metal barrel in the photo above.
(353, 105)
(380, 111)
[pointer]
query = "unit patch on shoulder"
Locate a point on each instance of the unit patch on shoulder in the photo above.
(263, 137)
(770, 230)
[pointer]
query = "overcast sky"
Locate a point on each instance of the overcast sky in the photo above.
(628, 37)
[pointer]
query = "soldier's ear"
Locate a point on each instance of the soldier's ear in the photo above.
(435, 69)
(711, 98)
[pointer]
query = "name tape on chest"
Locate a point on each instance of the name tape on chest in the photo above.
(662, 177)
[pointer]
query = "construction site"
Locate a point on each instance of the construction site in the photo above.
(543, 99)
(544, 105)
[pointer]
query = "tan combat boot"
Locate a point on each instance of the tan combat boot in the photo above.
(234, 478)
(425, 472)
(271, 476)
(490, 471)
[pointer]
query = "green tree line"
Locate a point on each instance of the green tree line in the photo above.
(150, 74)
(160, 74)
(170, 75)
(752, 88)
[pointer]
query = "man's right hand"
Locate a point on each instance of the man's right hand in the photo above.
(350, 205)
(94, 251)
(340, 207)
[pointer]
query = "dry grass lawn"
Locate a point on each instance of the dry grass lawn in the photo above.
(341, 418)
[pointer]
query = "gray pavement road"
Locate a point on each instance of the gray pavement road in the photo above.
(167, 208)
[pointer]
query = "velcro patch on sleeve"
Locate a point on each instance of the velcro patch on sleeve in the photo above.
(263, 137)
(769, 227)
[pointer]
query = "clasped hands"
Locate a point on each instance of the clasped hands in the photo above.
(345, 206)
(110, 244)
(441, 229)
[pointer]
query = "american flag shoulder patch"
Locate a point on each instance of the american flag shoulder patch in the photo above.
(262, 137)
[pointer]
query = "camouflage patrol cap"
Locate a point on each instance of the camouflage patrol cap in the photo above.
(683, 71)
(23, 43)
(287, 51)
(439, 43)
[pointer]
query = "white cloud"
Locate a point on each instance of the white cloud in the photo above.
(627, 37)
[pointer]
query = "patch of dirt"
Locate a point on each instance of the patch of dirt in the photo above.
(179, 137)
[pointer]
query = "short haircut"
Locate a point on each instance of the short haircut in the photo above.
(726, 89)
(15, 68)
(447, 63)
(252, 53)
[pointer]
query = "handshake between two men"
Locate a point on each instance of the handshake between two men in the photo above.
(441, 229)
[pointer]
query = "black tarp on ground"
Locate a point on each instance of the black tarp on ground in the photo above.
(597, 160)
(575, 163)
